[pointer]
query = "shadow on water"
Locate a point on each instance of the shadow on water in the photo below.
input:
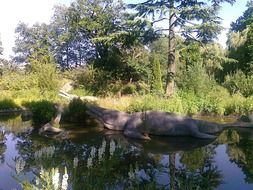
(95, 158)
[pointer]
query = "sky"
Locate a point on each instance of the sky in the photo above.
(32, 11)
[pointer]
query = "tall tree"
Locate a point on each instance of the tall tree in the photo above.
(30, 40)
(195, 19)
(245, 20)
(108, 25)
(240, 42)
(71, 47)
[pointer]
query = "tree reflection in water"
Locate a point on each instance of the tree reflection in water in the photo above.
(116, 162)
(199, 170)
(2, 146)
(108, 160)
(240, 150)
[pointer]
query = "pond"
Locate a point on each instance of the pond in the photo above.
(95, 158)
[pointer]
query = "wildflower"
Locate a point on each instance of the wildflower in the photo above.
(89, 162)
(47, 152)
(64, 185)
(131, 174)
(19, 165)
(56, 178)
(104, 144)
(112, 147)
(100, 153)
(41, 171)
(136, 170)
(75, 162)
(93, 152)
(37, 181)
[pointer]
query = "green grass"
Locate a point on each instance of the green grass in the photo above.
(218, 103)
(6, 104)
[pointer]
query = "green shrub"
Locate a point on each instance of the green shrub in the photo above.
(129, 89)
(76, 111)
(46, 76)
(239, 83)
(195, 78)
(81, 91)
(215, 101)
(42, 111)
(96, 81)
(8, 104)
(142, 88)
(18, 81)
(156, 79)
(150, 102)
(237, 104)
(190, 102)
(84, 77)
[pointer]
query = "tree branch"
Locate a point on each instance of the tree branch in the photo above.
(162, 29)
(159, 20)
(194, 24)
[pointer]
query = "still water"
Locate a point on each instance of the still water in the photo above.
(95, 158)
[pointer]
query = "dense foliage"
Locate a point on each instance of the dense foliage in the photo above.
(182, 15)
(106, 50)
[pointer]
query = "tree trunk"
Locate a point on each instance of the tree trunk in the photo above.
(171, 69)
(172, 172)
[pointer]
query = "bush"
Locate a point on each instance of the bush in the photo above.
(18, 81)
(46, 76)
(217, 101)
(8, 104)
(129, 89)
(190, 102)
(149, 102)
(238, 104)
(156, 80)
(76, 111)
(239, 83)
(195, 79)
(96, 81)
(42, 111)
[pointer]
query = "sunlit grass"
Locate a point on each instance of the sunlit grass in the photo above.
(215, 102)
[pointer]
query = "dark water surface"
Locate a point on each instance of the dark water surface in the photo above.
(99, 159)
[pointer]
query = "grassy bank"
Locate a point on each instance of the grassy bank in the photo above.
(218, 103)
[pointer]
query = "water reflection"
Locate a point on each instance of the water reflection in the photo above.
(2, 146)
(240, 152)
(99, 159)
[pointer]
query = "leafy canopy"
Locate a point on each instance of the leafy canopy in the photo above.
(194, 18)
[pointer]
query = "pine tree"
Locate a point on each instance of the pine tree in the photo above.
(156, 81)
(183, 14)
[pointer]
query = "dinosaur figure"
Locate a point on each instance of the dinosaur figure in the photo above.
(141, 124)
(53, 128)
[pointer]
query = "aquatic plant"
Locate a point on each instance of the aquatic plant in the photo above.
(48, 180)
(19, 165)
(75, 162)
(44, 152)
(112, 147)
